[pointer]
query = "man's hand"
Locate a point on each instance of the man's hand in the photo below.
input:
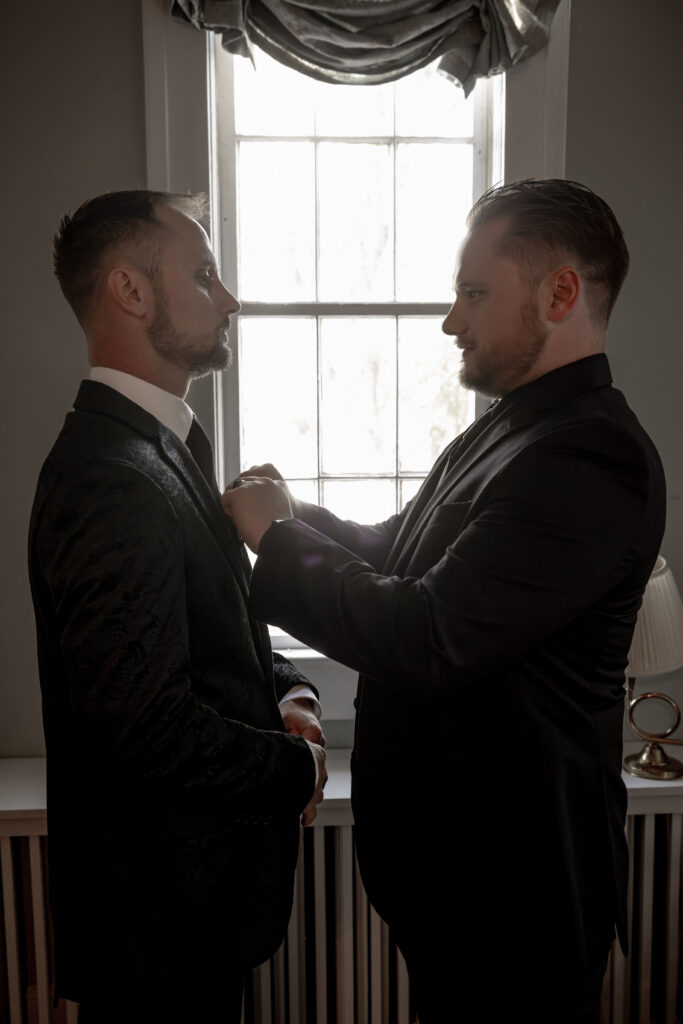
(267, 470)
(310, 810)
(301, 720)
(253, 503)
(272, 473)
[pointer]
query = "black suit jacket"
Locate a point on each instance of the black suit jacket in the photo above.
(173, 792)
(491, 622)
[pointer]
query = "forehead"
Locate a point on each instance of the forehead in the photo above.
(186, 240)
(481, 251)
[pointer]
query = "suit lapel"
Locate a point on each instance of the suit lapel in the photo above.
(222, 527)
(102, 400)
(453, 465)
(517, 410)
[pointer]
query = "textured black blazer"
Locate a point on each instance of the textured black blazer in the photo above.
(173, 792)
(491, 622)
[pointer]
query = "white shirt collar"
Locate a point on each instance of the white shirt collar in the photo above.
(170, 410)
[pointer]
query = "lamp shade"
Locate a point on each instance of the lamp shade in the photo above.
(657, 645)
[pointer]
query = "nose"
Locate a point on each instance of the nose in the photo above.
(455, 321)
(227, 302)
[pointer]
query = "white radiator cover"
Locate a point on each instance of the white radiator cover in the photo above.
(338, 964)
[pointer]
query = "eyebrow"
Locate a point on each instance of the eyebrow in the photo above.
(468, 285)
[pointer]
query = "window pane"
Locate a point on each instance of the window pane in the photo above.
(407, 491)
(354, 110)
(433, 406)
(271, 99)
(434, 194)
(277, 221)
(356, 222)
(305, 490)
(278, 394)
(358, 384)
(364, 501)
(428, 104)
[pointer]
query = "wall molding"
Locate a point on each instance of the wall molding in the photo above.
(536, 107)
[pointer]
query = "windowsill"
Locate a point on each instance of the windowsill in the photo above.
(22, 793)
(302, 654)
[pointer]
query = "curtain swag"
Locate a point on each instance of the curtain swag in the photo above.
(366, 42)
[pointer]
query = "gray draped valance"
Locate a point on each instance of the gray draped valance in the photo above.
(366, 42)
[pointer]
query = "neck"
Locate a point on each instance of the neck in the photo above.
(140, 362)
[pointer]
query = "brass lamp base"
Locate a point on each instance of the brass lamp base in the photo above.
(653, 763)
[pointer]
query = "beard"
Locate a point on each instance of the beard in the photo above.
(199, 354)
(505, 365)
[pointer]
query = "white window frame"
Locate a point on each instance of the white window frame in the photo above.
(181, 142)
(487, 125)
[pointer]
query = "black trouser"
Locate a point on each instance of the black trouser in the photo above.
(453, 992)
(476, 953)
(196, 1007)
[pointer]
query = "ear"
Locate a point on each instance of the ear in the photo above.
(564, 286)
(130, 289)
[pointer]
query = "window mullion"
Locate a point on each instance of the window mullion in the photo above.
(226, 211)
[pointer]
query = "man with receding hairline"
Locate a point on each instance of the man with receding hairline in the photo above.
(175, 781)
(491, 621)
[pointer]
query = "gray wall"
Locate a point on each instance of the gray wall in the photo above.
(73, 126)
(625, 140)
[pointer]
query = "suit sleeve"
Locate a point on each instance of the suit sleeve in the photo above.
(286, 676)
(116, 579)
(371, 543)
(555, 530)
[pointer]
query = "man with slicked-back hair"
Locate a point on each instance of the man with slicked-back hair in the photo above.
(175, 781)
(491, 622)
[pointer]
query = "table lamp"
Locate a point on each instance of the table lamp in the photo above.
(657, 648)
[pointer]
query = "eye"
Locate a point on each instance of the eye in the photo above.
(471, 294)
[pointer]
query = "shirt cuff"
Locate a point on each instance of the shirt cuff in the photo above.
(302, 692)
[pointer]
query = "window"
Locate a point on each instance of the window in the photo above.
(341, 212)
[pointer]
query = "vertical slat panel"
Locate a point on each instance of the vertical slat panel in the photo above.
(362, 944)
(263, 1003)
(645, 923)
(279, 987)
(606, 992)
(375, 967)
(385, 973)
(296, 935)
(320, 918)
(619, 988)
(362, 949)
(40, 932)
(10, 917)
(673, 903)
(403, 993)
(71, 1012)
(621, 966)
(344, 921)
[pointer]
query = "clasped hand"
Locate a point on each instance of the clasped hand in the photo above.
(254, 500)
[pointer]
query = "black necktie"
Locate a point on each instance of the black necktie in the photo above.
(202, 452)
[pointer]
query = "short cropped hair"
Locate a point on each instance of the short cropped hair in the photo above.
(554, 218)
(121, 224)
